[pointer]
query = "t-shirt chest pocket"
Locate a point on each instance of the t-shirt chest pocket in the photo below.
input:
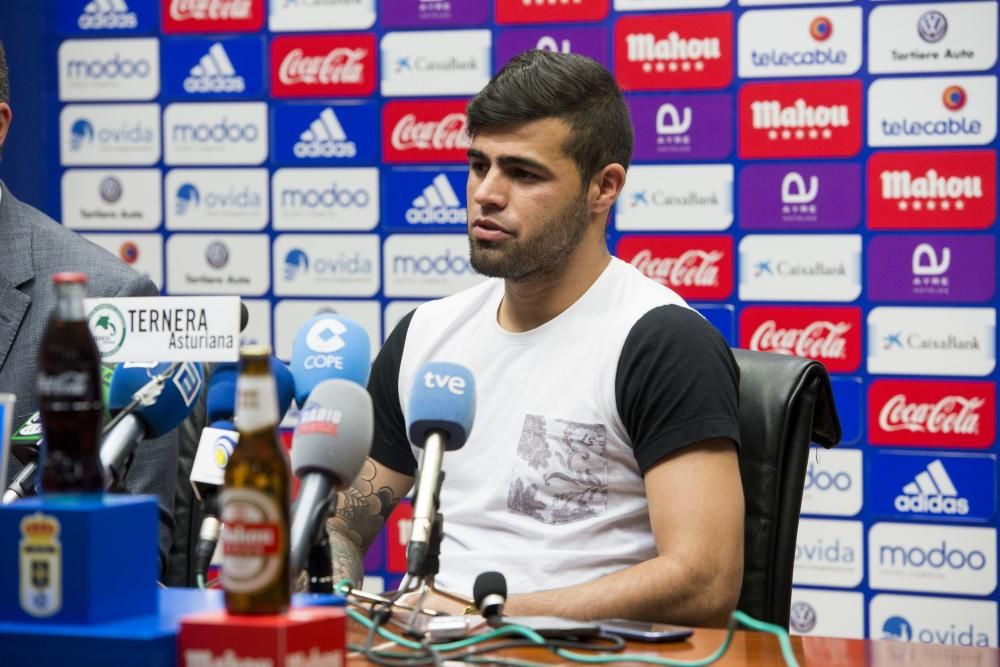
(560, 471)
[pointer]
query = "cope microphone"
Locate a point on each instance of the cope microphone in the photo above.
(490, 593)
(181, 386)
(326, 347)
(330, 444)
(440, 412)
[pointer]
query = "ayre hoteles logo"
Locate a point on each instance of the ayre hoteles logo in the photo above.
(518, 11)
(432, 13)
(943, 37)
(933, 620)
(424, 132)
(830, 335)
(109, 134)
(696, 267)
(213, 199)
(326, 264)
(829, 553)
(229, 133)
(952, 268)
(834, 482)
(800, 42)
(211, 16)
(590, 42)
(325, 134)
(932, 413)
(682, 127)
(323, 66)
(436, 62)
(325, 199)
(321, 15)
(932, 189)
(808, 196)
(218, 264)
(111, 199)
(424, 198)
(109, 69)
(200, 68)
(427, 265)
(932, 341)
(678, 51)
(787, 267)
(933, 111)
(932, 558)
(810, 119)
(937, 487)
(669, 198)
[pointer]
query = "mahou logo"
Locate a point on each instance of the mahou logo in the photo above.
(674, 52)
(197, 16)
(328, 66)
(828, 335)
(932, 414)
(424, 132)
(820, 119)
(551, 11)
(696, 267)
(932, 190)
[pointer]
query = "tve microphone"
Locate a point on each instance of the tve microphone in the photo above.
(174, 403)
(327, 347)
(439, 416)
(331, 443)
(490, 593)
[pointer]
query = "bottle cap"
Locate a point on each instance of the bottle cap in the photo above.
(69, 277)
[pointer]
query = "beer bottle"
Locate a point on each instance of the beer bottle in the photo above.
(70, 399)
(255, 498)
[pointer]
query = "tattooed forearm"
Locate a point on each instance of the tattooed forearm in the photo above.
(346, 559)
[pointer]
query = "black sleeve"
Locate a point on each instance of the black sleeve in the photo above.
(677, 384)
(390, 445)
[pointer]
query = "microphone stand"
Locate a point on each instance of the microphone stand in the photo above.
(319, 566)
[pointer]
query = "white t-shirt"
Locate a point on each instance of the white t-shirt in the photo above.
(548, 489)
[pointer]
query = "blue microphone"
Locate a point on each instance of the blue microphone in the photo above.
(329, 347)
(163, 407)
(439, 416)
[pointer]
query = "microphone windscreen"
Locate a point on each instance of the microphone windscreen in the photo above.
(488, 583)
(220, 395)
(244, 316)
(334, 433)
(443, 398)
(175, 402)
(285, 383)
(329, 347)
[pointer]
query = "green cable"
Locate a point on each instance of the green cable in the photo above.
(201, 581)
(450, 646)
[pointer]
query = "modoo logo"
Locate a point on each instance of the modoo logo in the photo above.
(443, 264)
(332, 197)
(821, 480)
(214, 73)
(937, 557)
(107, 15)
(325, 137)
(114, 67)
(217, 133)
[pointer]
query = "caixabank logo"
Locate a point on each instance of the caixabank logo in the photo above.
(325, 134)
(109, 134)
(326, 264)
(325, 199)
(932, 189)
(324, 66)
(933, 111)
(831, 335)
(682, 127)
(589, 42)
(210, 133)
(807, 196)
(214, 199)
(932, 341)
(678, 51)
(424, 199)
(800, 267)
(806, 119)
(696, 267)
(519, 11)
(107, 17)
(800, 42)
(670, 198)
(918, 268)
(933, 620)
(424, 132)
(931, 413)
(200, 68)
(212, 16)
(435, 62)
(109, 69)
(937, 487)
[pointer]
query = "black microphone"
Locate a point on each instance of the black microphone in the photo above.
(490, 593)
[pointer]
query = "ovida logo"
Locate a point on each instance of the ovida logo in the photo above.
(819, 552)
(81, 132)
(820, 29)
(938, 557)
(929, 271)
(223, 131)
(217, 254)
(325, 198)
(898, 628)
(188, 197)
(799, 119)
(797, 198)
(296, 262)
(672, 53)
(214, 73)
(110, 189)
(821, 480)
(802, 617)
(930, 191)
(114, 67)
(437, 204)
(933, 492)
(107, 15)
(672, 125)
(325, 137)
(932, 26)
(445, 263)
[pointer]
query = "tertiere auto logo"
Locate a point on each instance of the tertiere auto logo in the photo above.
(932, 26)
(802, 617)
(107, 15)
(214, 73)
(325, 137)
(217, 254)
(110, 189)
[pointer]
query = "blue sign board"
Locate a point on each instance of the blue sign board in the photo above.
(419, 199)
(109, 18)
(195, 68)
(325, 134)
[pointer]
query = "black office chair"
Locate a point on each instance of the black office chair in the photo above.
(785, 403)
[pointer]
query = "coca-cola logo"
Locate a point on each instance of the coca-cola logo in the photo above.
(445, 134)
(199, 16)
(932, 413)
(425, 132)
(696, 267)
(831, 335)
(693, 268)
(323, 66)
(67, 384)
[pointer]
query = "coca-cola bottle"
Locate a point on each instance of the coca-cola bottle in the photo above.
(70, 401)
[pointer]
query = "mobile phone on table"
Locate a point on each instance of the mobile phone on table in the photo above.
(643, 631)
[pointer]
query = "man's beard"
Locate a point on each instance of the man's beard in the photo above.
(543, 255)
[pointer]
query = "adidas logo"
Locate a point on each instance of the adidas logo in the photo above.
(932, 492)
(437, 204)
(107, 15)
(214, 73)
(325, 138)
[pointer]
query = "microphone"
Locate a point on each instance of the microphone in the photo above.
(490, 593)
(329, 346)
(157, 413)
(440, 412)
(330, 444)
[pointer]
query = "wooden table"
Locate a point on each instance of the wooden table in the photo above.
(754, 649)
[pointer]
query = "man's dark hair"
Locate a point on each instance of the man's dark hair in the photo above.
(541, 84)
(4, 77)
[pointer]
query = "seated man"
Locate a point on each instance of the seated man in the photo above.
(601, 474)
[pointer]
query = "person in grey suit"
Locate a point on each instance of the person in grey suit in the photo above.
(33, 246)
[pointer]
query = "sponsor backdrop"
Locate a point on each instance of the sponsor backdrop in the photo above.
(819, 180)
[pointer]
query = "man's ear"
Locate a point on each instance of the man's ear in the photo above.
(5, 116)
(605, 187)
